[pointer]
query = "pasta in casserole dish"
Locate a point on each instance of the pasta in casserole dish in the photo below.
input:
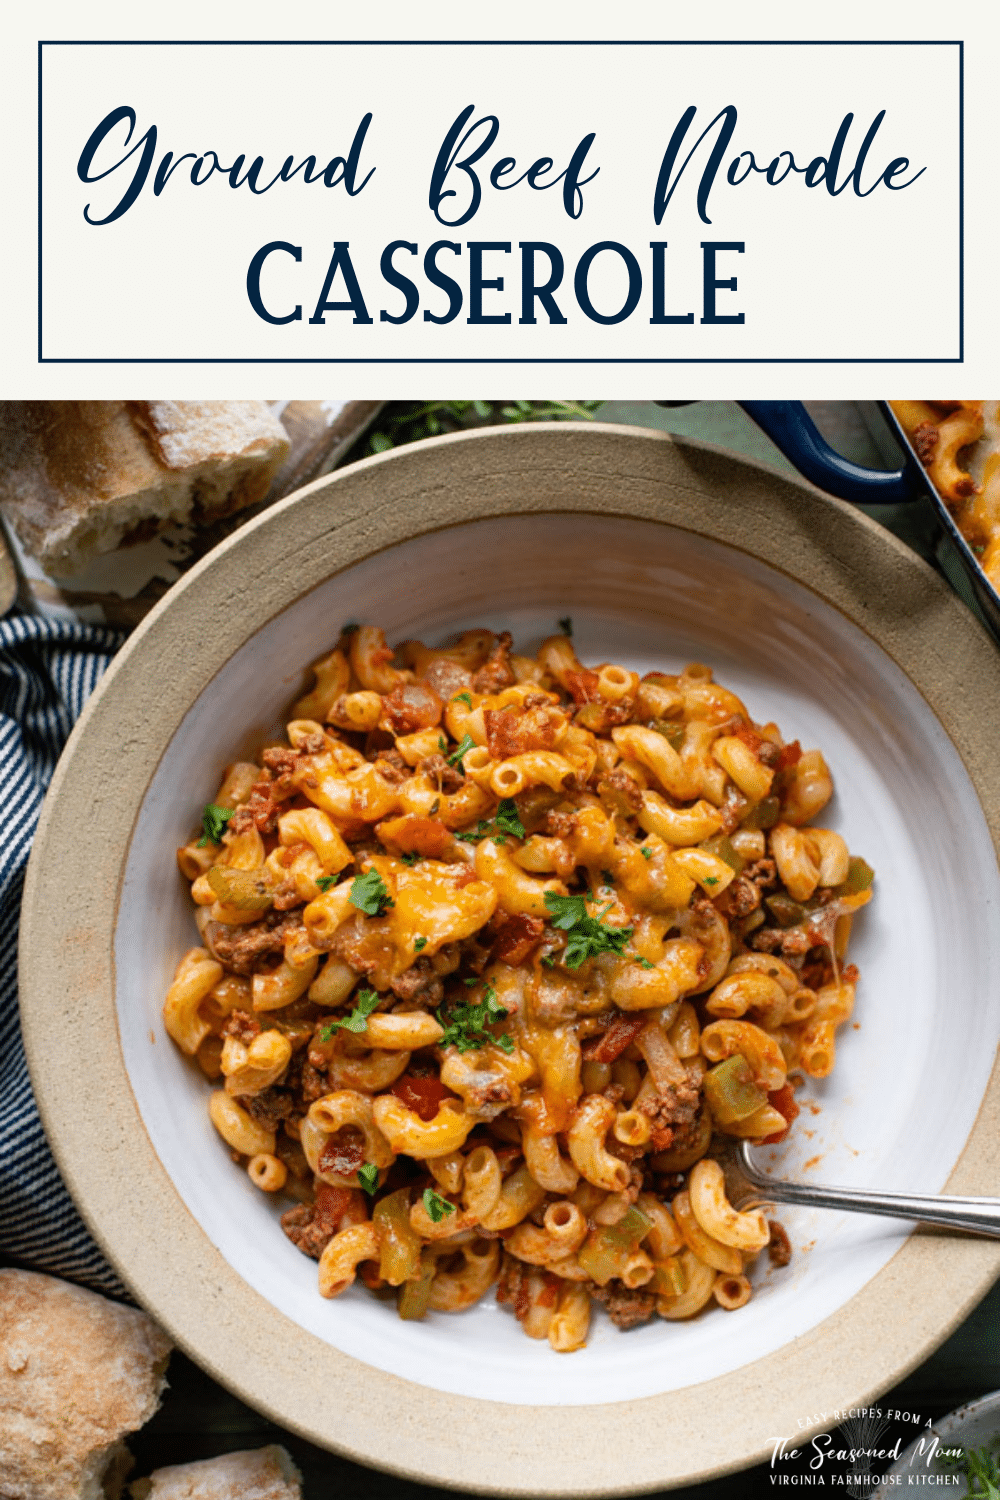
(492, 945)
(958, 442)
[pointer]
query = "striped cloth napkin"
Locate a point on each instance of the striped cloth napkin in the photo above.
(48, 669)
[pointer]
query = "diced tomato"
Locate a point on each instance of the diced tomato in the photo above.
(424, 1095)
(340, 1207)
(518, 936)
(617, 1039)
(783, 1100)
(343, 1153)
(789, 755)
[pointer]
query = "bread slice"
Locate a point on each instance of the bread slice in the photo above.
(77, 1373)
(79, 478)
(264, 1474)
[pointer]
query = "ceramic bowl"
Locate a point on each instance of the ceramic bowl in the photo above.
(663, 553)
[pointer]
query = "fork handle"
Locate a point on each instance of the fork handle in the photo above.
(978, 1215)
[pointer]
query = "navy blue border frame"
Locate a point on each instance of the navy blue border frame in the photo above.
(523, 42)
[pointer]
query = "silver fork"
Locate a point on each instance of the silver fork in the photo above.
(746, 1184)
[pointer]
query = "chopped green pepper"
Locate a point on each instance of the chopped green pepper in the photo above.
(730, 1090)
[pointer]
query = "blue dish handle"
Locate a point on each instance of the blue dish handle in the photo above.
(790, 428)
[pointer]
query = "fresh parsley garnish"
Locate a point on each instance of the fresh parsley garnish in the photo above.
(442, 743)
(646, 853)
(436, 1206)
(368, 1177)
(465, 1027)
(455, 759)
(711, 880)
(325, 881)
(213, 822)
(566, 625)
(409, 859)
(588, 935)
(419, 944)
(367, 1001)
(506, 821)
(473, 836)
(644, 963)
(473, 980)
(368, 894)
(463, 698)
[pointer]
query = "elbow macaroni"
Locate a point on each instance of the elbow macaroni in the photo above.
(478, 999)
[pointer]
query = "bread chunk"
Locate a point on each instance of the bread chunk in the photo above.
(77, 1374)
(79, 478)
(263, 1474)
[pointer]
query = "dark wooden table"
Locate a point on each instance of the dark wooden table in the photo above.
(199, 1419)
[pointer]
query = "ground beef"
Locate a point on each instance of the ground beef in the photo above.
(559, 825)
(513, 1287)
(286, 896)
(739, 899)
(733, 809)
(779, 1247)
(241, 1025)
(627, 1307)
(260, 810)
(670, 1111)
(448, 778)
(412, 706)
(419, 979)
(311, 1226)
(313, 1083)
(391, 766)
(270, 1106)
(763, 873)
(239, 948)
(281, 760)
(790, 942)
(925, 440)
(496, 672)
(621, 792)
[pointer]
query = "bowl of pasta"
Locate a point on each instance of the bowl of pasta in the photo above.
(506, 823)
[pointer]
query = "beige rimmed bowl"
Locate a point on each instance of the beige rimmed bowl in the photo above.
(662, 552)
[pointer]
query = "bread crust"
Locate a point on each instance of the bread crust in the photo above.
(79, 478)
(261, 1474)
(77, 1373)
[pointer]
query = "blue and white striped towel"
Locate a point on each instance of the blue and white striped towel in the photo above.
(48, 669)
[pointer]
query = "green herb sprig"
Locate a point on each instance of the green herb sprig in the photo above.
(436, 1206)
(366, 1002)
(588, 935)
(213, 822)
(465, 1025)
(408, 421)
(368, 1177)
(506, 820)
(369, 894)
(457, 756)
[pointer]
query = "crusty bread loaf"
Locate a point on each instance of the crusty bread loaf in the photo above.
(265, 1474)
(77, 478)
(77, 1373)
